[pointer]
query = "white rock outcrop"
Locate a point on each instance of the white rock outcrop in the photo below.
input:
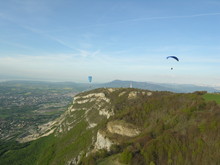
(132, 95)
(85, 101)
(121, 94)
(112, 89)
(102, 142)
(91, 97)
(149, 93)
(76, 160)
(122, 128)
(105, 112)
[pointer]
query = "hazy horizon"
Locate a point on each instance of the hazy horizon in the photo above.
(103, 82)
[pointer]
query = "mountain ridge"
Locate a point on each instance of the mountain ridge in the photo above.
(128, 126)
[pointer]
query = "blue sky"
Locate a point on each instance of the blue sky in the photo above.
(67, 40)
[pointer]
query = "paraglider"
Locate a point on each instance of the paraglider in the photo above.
(174, 57)
(90, 78)
(90, 81)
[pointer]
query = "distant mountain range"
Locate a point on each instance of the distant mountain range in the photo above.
(178, 88)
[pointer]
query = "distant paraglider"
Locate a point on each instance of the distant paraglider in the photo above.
(90, 78)
(174, 57)
(90, 81)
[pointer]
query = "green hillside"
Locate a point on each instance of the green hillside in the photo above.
(212, 97)
(157, 128)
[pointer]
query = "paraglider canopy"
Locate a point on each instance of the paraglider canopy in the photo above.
(174, 57)
(90, 78)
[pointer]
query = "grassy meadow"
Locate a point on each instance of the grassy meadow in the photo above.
(212, 97)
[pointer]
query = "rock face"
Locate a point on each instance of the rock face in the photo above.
(98, 103)
(122, 128)
(112, 89)
(75, 160)
(93, 107)
(149, 93)
(91, 97)
(102, 141)
(121, 94)
(106, 113)
(132, 95)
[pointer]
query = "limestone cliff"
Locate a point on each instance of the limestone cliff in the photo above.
(89, 104)
(91, 113)
(122, 128)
